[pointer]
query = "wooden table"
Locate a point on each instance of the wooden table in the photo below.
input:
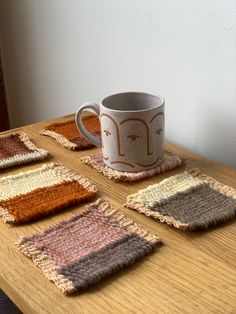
(192, 272)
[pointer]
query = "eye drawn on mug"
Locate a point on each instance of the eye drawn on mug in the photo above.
(147, 131)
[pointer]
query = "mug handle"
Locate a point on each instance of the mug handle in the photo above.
(79, 123)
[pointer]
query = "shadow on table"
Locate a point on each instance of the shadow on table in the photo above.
(7, 306)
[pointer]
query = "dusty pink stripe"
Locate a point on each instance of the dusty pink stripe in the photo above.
(169, 163)
(92, 231)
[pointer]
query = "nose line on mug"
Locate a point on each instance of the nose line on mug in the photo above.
(121, 154)
(149, 144)
(119, 150)
(149, 147)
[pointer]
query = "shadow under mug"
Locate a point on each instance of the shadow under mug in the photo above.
(132, 130)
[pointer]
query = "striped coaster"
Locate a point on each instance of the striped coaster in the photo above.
(82, 250)
(17, 149)
(36, 193)
(189, 201)
(67, 134)
(96, 161)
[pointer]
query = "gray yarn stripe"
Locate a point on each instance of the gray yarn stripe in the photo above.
(200, 207)
(106, 261)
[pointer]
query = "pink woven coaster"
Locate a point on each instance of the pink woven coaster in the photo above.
(79, 252)
(96, 161)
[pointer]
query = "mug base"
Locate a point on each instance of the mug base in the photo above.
(123, 166)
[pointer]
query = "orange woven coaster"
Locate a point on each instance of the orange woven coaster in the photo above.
(96, 161)
(67, 134)
(37, 193)
(17, 149)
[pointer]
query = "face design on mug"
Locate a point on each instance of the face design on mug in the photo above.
(133, 139)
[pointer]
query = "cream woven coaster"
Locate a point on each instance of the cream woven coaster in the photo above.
(17, 149)
(189, 201)
(96, 161)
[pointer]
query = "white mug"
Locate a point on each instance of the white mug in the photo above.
(132, 130)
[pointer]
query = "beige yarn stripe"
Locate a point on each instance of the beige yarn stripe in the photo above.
(165, 189)
(46, 175)
(60, 139)
(21, 158)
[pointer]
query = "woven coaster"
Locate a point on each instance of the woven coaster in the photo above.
(17, 149)
(67, 134)
(96, 161)
(189, 201)
(36, 193)
(82, 250)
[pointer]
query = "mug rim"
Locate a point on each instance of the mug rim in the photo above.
(137, 93)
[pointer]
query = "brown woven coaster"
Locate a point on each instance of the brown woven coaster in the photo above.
(96, 161)
(67, 134)
(84, 249)
(36, 193)
(17, 149)
(189, 201)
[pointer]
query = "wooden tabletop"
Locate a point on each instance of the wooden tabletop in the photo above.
(192, 272)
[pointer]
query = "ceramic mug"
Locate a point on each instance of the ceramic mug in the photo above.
(132, 130)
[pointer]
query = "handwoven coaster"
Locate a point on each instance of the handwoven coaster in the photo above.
(96, 161)
(36, 193)
(190, 201)
(67, 134)
(82, 250)
(17, 149)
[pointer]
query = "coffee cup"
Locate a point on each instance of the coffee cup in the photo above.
(132, 130)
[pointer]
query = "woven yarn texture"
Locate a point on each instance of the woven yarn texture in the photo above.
(96, 161)
(17, 149)
(82, 250)
(67, 134)
(189, 201)
(36, 193)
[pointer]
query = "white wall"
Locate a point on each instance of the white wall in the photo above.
(60, 53)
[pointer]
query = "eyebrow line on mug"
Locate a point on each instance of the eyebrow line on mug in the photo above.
(158, 114)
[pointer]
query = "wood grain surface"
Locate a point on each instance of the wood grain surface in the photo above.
(192, 272)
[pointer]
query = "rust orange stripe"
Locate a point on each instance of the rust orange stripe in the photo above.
(44, 201)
